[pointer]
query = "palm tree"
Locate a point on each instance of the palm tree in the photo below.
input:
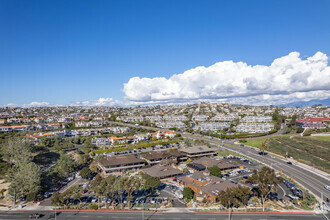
(130, 186)
(264, 146)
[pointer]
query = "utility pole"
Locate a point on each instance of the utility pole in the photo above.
(321, 201)
(14, 197)
(55, 213)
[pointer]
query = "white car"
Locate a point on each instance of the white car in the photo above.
(327, 187)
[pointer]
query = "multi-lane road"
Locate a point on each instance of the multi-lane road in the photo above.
(81, 215)
(309, 179)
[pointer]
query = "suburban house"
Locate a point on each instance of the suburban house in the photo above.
(142, 137)
(205, 185)
(162, 134)
(100, 142)
(117, 164)
(164, 156)
(6, 129)
(199, 151)
(162, 171)
(119, 140)
(131, 140)
(13, 120)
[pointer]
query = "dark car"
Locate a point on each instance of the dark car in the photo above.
(290, 163)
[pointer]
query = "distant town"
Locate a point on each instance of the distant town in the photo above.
(186, 157)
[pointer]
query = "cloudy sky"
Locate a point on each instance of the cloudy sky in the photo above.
(128, 52)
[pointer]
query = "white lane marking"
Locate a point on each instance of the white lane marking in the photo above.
(284, 193)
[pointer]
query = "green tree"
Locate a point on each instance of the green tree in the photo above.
(86, 173)
(17, 151)
(185, 170)
(264, 146)
(188, 193)
(65, 165)
(131, 185)
(189, 142)
(215, 171)
(77, 196)
(25, 180)
(152, 183)
(234, 197)
(242, 194)
(266, 181)
(56, 199)
(48, 142)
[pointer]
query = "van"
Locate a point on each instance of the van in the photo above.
(179, 194)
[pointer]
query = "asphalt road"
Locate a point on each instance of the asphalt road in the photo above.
(158, 216)
(307, 178)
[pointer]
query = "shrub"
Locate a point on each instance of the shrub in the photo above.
(188, 193)
(93, 206)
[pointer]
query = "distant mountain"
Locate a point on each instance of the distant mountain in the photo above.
(324, 102)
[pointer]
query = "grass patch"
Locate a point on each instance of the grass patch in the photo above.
(313, 152)
(258, 141)
(322, 138)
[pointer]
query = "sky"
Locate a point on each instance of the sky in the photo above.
(138, 52)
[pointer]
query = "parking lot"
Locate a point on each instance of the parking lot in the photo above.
(163, 196)
(285, 188)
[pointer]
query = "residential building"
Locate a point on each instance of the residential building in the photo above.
(117, 140)
(255, 127)
(100, 142)
(225, 118)
(313, 123)
(254, 119)
(212, 126)
(200, 117)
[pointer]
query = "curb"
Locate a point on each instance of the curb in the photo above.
(256, 212)
(91, 210)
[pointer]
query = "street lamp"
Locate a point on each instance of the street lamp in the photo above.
(142, 211)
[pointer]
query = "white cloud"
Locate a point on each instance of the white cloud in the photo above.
(36, 104)
(32, 104)
(99, 102)
(287, 79)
